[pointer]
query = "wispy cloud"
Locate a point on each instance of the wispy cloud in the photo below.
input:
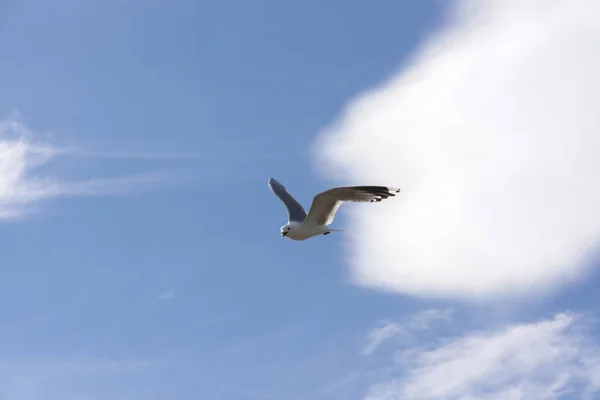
(78, 152)
(24, 181)
(420, 321)
(379, 335)
(68, 379)
(164, 296)
(425, 319)
(492, 133)
(547, 359)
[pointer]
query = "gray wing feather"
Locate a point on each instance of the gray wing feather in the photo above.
(295, 210)
(325, 204)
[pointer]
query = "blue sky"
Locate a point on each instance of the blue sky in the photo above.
(141, 254)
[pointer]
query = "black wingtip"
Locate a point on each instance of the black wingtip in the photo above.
(275, 185)
(381, 192)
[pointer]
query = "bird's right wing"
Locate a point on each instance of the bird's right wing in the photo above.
(325, 204)
(295, 210)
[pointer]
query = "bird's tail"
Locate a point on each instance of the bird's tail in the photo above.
(336, 230)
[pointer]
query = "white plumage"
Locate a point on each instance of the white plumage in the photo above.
(302, 226)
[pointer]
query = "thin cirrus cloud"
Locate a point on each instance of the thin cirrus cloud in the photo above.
(492, 132)
(381, 334)
(549, 359)
(69, 379)
(165, 296)
(421, 321)
(24, 183)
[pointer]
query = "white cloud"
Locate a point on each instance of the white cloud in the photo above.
(379, 335)
(543, 360)
(421, 321)
(23, 185)
(492, 133)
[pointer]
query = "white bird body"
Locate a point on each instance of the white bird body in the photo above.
(302, 226)
(302, 231)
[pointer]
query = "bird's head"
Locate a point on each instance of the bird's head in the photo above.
(285, 230)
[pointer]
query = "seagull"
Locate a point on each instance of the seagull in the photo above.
(302, 226)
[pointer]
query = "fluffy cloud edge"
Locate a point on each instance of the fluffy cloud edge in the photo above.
(489, 130)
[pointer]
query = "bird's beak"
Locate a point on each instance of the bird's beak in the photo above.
(283, 234)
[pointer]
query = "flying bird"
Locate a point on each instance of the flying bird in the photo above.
(302, 226)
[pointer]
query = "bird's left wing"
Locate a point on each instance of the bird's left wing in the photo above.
(295, 210)
(325, 204)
